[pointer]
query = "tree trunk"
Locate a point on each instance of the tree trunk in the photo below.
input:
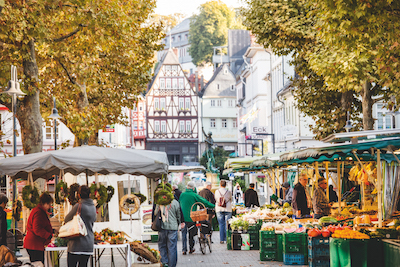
(28, 110)
(346, 101)
(367, 102)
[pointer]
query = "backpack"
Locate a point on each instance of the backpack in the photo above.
(222, 200)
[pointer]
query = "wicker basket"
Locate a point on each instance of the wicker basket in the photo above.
(143, 252)
(200, 215)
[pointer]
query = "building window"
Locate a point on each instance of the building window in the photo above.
(219, 103)
(181, 83)
(156, 103)
(188, 126)
(181, 103)
(186, 36)
(213, 103)
(174, 67)
(187, 103)
(173, 39)
(192, 150)
(162, 83)
(185, 150)
(140, 106)
(168, 83)
(224, 123)
(162, 103)
(230, 103)
(182, 126)
(168, 69)
(134, 107)
(234, 123)
(218, 86)
(140, 125)
(175, 83)
(179, 38)
(50, 130)
(163, 126)
(212, 123)
(135, 125)
(162, 148)
(232, 87)
(157, 126)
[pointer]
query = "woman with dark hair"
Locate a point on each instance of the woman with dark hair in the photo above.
(39, 230)
(80, 248)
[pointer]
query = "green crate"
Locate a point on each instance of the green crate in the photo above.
(279, 247)
(295, 243)
(295, 238)
(228, 242)
(348, 252)
(254, 245)
(154, 238)
(267, 255)
(267, 235)
(268, 244)
(391, 252)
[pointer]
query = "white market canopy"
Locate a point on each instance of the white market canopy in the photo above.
(173, 168)
(87, 159)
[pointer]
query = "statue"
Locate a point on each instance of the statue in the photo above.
(210, 152)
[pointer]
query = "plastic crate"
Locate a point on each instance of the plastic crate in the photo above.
(268, 244)
(294, 259)
(318, 251)
(319, 262)
(254, 245)
(295, 243)
(267, 235)
(316, 241)
(279, 247)
(228, 240)
(267, 255)
(295, 238)
(154, 238)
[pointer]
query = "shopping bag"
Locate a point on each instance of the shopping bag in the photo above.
(157, 222)
(74, 228)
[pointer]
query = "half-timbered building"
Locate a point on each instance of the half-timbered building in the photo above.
(172, 113)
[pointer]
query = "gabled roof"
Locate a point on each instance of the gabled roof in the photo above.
(225, 82)
(169, 59)
(181, 27)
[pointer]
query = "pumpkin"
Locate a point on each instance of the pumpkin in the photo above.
(313, 233)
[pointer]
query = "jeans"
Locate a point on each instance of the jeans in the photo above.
(167, 245)
(223, 217)
(79, 260)
(184, 238)
(36, 255)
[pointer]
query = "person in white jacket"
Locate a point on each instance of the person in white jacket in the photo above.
(237, 194)
(223, 208)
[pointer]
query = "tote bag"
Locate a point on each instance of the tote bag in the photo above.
(74, 228)
(156, 224)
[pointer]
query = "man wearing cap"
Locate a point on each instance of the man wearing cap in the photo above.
(321, 204)
(187, 199)
(288, 193)
(251, 197)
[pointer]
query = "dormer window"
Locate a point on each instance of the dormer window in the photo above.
(232, 87)
(218, 86)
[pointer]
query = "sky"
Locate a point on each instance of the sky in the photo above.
(186, 7)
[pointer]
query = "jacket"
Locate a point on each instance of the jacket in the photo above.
(172, 215)
(251, 198)
(320, 202)
(3, 227)
(83, 244)
(223, 192)
(208, 195)
(39, 230)
(299, 199)
(288, 196)
(187, 199)
(177, 193)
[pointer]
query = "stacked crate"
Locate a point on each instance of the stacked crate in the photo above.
(229, 239)
(318, 252)
(295, 248)
(268, 246)
(254, 233)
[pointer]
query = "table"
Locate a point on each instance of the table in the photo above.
(124, 250)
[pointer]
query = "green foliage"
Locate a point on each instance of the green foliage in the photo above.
(99, 194)
(168, 21)
(30, 196)
(220, 156)
(210, 28)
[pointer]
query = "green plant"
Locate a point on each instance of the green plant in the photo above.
(30, 196)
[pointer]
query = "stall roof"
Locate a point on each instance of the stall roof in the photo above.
(173, 168)
(362, 135)
(240, 162)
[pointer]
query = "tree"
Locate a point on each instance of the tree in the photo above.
(210, 28)
(94, 57)
(220, 156)
(168, 21)
(294, 27)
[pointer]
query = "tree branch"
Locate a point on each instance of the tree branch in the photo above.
(72, 79)
(69, 34)
(375, 100)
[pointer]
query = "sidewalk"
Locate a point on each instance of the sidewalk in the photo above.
(220, 256)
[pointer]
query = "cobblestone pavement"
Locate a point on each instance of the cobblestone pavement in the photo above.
(220, 256)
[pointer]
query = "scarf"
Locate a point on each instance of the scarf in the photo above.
(309, 201)
(164, 214)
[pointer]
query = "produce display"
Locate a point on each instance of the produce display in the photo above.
(366, 174)
(237, 223)
(109, 236)
(349, 234)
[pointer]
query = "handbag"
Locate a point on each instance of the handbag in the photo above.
(74, 228)
(156, 223)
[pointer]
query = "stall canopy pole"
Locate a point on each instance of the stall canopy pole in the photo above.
(340, 186)
(379, 187)
(327, 178)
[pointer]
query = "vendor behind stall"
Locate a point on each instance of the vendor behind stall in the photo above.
(301, 201)
(321, 204)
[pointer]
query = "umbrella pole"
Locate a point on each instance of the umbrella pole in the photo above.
(340, 187)
(87, 178)
(379, 187)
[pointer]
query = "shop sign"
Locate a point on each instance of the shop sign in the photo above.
(259, 130)
(110, 128)
(145, 217)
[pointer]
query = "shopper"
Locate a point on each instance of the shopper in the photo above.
(209, 196)
(301, 201)
(251, 197)
(223, 208)
(238, 194)
(288, 193)
(187, 199)
(175, 190)
(168, 236)
(3, 220)
(39, 230)
(332, 195)
(80, 248)
(321, 205)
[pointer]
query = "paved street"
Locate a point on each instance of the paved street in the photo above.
(219, 257)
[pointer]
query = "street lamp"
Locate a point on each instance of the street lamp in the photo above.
(348, 125)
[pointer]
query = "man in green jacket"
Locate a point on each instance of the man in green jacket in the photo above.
(187, 199)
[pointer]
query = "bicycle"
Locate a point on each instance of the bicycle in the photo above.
(200, 219)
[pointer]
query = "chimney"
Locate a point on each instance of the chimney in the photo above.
(175, 50)
(196, 82)
(202, 81)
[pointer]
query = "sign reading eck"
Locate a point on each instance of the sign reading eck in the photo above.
(259, 129)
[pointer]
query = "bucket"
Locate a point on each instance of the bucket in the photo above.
(245, 242)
